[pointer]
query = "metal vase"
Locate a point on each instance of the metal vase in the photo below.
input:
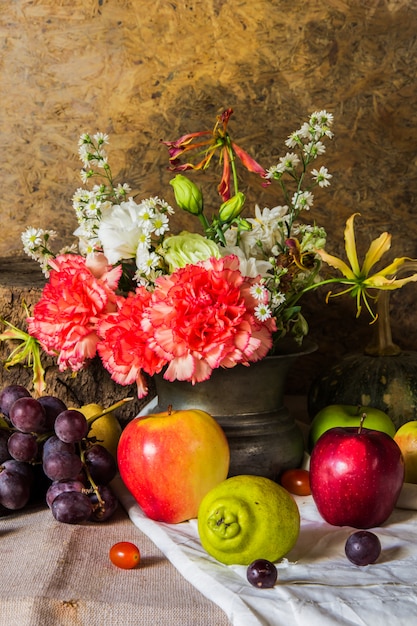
(248, 403)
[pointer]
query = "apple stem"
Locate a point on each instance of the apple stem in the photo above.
(361, 423)
(169, 409)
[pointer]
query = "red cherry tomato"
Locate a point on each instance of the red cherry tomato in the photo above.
(296, 481)
(125, 555)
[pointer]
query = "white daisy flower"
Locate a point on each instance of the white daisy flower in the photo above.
(303, 200)
(146, 262)
(314, 149)
(160, 224)
(321, 176)
(258, 291)
(32, 238)
(277, 299)
(144, 240)
(293, 140)
(101, 138)
(145, 216)
(262, 312)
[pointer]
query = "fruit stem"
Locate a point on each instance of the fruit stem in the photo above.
(90, 420)
(89, 477)
(9, 429)
(109, 409)
(169, 409)
(361, 423)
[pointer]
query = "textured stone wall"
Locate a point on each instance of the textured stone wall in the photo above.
(150, 70)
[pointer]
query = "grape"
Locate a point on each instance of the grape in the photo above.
(71, 426)
(19, 467)
(53, 407)
(101, 464)
(4, 450)
(102, 511)
(262, 573)
(362, 547)
(9, 395)
(14, 490)
(72, 507)
(60, 486)
(27, 415)
(23, 446)
(61, 465)
(53, 444)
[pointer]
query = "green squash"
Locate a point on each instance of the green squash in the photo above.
(388, 383)
(383, 376)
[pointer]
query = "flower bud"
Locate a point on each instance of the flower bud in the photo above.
(185, 248)
(300, 328)
(187, 195)
(244, 224)
(232, 208)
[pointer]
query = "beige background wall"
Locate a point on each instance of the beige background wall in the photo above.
(152, 69)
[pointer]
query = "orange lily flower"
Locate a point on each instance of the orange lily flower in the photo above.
(217, 139)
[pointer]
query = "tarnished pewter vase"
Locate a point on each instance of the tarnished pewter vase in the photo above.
(248, 403)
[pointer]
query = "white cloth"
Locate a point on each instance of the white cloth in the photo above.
(316, 585)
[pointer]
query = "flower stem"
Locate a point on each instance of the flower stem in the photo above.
(232, 164)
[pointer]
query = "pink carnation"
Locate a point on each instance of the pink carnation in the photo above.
(201, 317)
(73, 301)
(123, 347)
(197, 319)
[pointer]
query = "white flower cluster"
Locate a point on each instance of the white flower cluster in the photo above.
(36, 245)
(114, 223)
(109, 220)
(134, 231)
(273, 230)
(91, 206)
(91, 152)
(308, 139)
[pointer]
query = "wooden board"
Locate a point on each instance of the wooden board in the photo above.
(151, 70)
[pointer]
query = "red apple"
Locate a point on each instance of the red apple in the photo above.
(170, 460)
(356, 475)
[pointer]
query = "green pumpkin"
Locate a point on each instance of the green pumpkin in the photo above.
(383, 376)
(388, 383)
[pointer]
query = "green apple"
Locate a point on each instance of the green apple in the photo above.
(406, 438)
(344, 415)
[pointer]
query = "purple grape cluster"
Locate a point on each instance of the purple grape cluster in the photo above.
(42, 442)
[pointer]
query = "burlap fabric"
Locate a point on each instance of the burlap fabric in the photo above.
(55, 574)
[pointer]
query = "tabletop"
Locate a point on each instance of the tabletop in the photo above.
(55, 574)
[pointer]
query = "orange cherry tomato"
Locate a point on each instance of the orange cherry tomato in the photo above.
(125, 555)
(296, 481)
